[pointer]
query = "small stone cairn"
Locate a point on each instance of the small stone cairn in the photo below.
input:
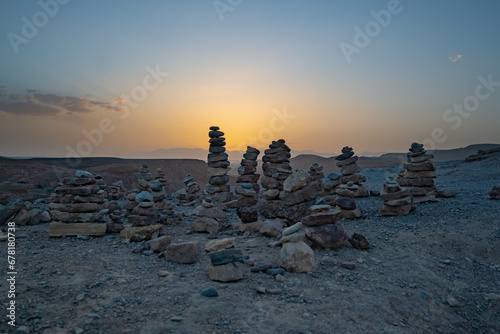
(192, 192)
(323, 228)
(397, 201)
(207, 217)
(218, 167)
(223, 267)
(350, 179)
(419, 174)
(78, 200)
(247, 187)
(296, 255)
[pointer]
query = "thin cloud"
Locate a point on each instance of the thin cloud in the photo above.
(457, 58)
(39, 104)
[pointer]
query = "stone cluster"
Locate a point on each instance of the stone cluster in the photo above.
(218, 167)
(347, 207)
(208, 217)
(316, 171)
(350, 179)
(296, 255)
(323, 227)
(78, 200)
(223, 267)
(276, 168)
(419, 174)
(191, 192)
(397, 201)
(247, 187)
(144, 173)
(99, 181)
(118, 190)
(161, 176)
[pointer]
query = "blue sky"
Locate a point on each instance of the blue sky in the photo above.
(263, 56)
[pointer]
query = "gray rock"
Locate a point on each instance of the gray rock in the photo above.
(209, 292)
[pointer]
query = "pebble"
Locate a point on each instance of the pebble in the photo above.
(148, 252)
(176, 319)
(279, 278)
(83, 237)
(209, 292)
(274, 291)
(261, 289)
(452, 301)
(163, 273)
(22, 330)
(78, 330)
(276, 271)
(348, 265)
(80, 296)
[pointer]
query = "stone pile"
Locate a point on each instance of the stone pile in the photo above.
(143, 174)
(323, 228)
(192, 191)
(143, 212)
(223, 267)
(419, 174)
(118, 190)
(296, 255)
(350, 179)
(276, 168)
(347, 207)
(397, 201)
(100, 182)
(316, 171)
(247, 187)
(76, 205)
(218, 167)
(329, 183)
(161, 177)
(208, 217)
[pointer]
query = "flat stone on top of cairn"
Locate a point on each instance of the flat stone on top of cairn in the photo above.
(419, 174)
(218, 167)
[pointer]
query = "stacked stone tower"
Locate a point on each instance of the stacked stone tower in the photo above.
(247, 187)
(218, 167)
(351, 181)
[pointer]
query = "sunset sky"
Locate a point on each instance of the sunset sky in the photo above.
(110, 78)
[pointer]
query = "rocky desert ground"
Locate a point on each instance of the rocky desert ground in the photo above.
(436, 270)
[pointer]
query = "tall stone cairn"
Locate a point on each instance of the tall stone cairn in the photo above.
(218, 167)
(419, 174)
(276, 167)
(247, 187)
(351, 181)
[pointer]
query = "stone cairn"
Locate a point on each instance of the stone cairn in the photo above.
(218, 167)
(419, 174)
(118, 190)
(397, 201)
(161, 177)
(323, 228)
(223, 267)
(100, 182)
(296, 255)
(276, 168)
(350, 179)
(192, 191)
(78, 200)
(207, 217)
(247, 187)
(347, 207)
(316, 172)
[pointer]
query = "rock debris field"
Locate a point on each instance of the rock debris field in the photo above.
(204, 270)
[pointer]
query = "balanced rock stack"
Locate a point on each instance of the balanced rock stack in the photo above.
(419, 174)
(296, 255)
(143, 213)
(76, 206)
(347, 207)
(316, 171)
(144, 173)
(218, 167)
(323, 228)
(100, 182)
(192, 191)
(161, 177)
(117, 190)
(351, 180)
(276, 167)
(208, 217)
(223, 267)
(397, 201)
(247, 187)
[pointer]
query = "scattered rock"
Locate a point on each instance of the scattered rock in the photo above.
(217, 245)
(209, 292)
(186, 252)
